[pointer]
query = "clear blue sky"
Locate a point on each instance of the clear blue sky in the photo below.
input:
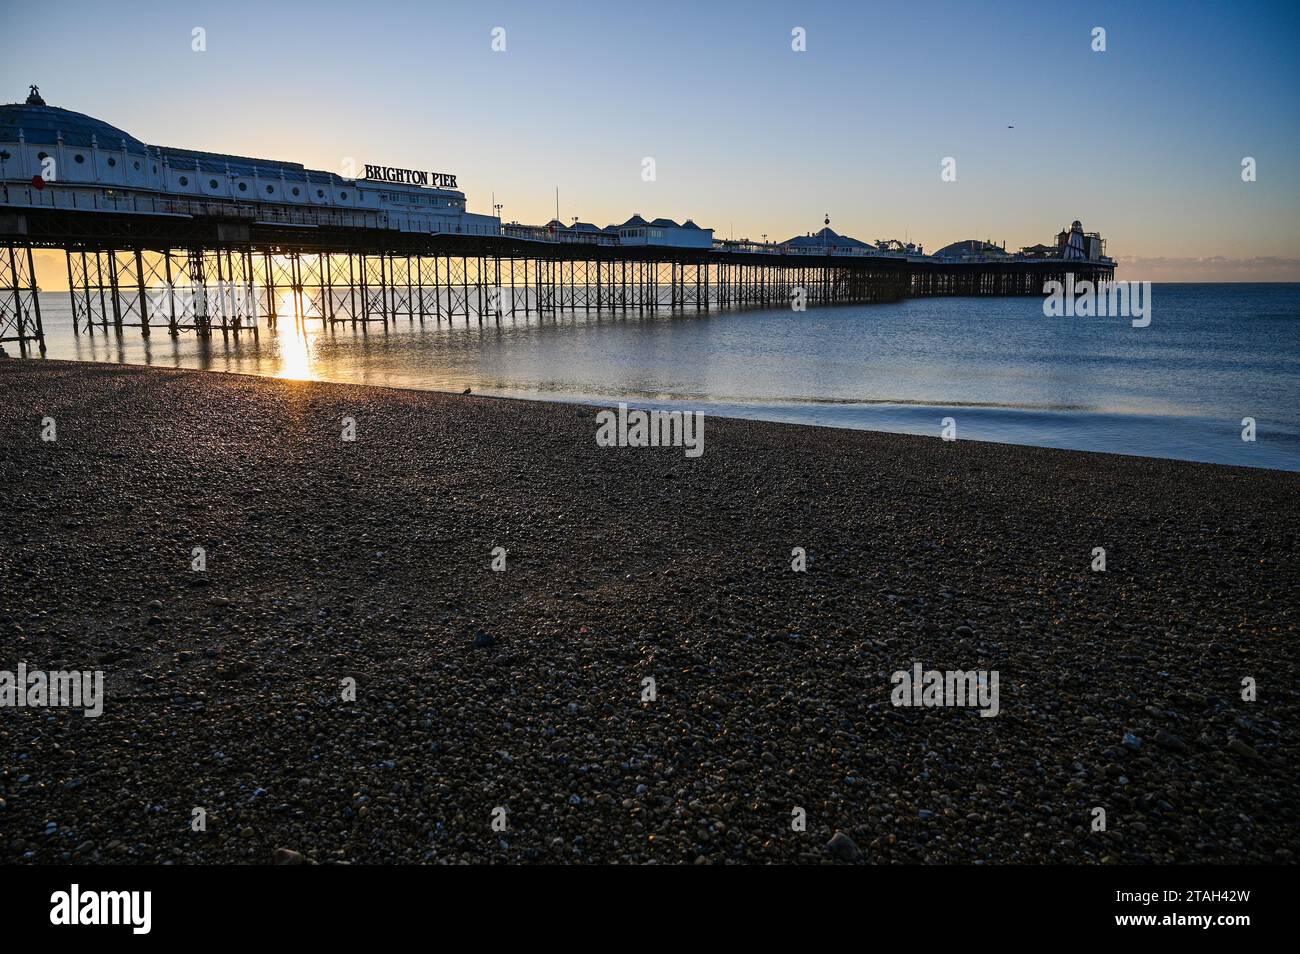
(1143, 142)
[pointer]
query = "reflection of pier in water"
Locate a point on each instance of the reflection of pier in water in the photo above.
(203, 275)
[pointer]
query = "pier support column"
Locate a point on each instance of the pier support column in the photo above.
(199, 283)
(143, 299)
(20, 310)
(84, 291)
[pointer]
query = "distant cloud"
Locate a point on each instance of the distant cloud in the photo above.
(1214, 268)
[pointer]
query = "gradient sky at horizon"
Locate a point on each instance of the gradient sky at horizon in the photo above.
(1143, 142)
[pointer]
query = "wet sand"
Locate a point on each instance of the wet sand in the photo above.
(476, 690)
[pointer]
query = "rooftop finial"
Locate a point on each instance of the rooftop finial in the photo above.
(34, 97)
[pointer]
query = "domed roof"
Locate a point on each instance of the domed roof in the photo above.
(969, 247)
(42, 124)
(825, 238)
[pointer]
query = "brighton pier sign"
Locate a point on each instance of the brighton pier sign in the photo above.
(438, 180)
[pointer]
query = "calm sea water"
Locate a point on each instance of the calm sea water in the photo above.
(1213, 355)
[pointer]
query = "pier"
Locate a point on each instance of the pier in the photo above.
(217, 273)
(159, 238)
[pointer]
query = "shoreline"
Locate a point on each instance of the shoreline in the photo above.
(521, 689)
(683, 404)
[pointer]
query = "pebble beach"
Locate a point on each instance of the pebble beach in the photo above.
(520, 693)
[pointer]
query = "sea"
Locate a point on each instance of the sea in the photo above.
(1214, 376)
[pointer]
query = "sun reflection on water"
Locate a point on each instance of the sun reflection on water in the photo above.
(293, 339)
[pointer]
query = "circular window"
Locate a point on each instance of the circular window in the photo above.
(295, 190)
(243, 187)
(343, 195)
(185, 180)
(42, 156)
(320, 193)
(79, 158)
(212, 183)
(111, 161)
(136, 165)
(270, 190)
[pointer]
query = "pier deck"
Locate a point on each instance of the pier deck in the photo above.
(230, 273)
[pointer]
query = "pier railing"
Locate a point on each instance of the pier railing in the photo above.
(53, 198)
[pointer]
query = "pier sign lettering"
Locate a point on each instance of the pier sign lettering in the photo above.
(438, 180)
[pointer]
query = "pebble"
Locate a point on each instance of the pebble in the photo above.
(1167, 740)
(843, 847)
(1238, 747)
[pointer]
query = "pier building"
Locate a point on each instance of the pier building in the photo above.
(62, 159)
